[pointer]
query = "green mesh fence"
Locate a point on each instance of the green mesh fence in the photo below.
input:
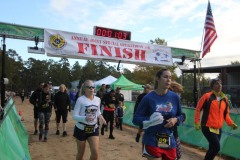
(13, 136)
(230, 140)
(127, 119)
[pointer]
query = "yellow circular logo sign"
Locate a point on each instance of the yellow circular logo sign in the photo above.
(57, 41)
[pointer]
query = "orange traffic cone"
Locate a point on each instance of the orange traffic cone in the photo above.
(20, 113)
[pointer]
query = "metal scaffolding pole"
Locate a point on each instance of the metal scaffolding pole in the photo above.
(195, 91)
(3, 74)
(2, 78)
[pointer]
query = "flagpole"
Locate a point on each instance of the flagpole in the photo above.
(195, 90)
(203, 32)
(210, 31)
(210, 36)
(202, 41)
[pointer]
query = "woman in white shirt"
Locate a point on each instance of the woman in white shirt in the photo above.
(86, 114)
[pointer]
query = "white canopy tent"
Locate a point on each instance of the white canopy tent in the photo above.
(74, 84)
(107, 80)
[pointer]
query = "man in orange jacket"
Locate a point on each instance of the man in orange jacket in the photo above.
(215, 107)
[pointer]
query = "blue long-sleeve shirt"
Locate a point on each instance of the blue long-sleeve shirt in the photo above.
(168, 105)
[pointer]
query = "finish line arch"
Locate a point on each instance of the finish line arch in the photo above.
(81, 46)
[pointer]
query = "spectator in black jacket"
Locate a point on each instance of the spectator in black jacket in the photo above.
(62, 106)
(45, 103)
(119, 95)
(34, 101)
(147, 89)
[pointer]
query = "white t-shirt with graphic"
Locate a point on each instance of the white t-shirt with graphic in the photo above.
(85, 107)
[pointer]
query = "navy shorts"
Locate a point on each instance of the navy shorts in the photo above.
(82, 136)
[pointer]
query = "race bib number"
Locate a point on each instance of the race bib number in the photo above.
(163, 140)
(89, 129)
(111, 105)
(213, 130)
(45, 105)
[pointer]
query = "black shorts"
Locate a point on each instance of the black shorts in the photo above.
(108, 116)
(82, 136)
(63, 114)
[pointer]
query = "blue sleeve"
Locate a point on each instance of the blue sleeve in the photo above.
(142, 112)
(179, 112)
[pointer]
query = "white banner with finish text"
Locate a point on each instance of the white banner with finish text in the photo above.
(82, 46)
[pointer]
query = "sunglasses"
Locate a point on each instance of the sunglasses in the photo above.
(90, 111)
(90, 87)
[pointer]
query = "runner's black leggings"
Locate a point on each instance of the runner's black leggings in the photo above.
(109, 117)
(214, 142)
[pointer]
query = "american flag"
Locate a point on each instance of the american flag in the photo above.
(210, 31)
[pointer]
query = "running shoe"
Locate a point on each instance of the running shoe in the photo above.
(45, 139)
(111, 137)
(35, 132)
(64, 134)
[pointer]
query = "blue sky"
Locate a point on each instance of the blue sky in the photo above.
(179, 22)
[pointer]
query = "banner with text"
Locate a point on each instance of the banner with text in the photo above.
(82, 46)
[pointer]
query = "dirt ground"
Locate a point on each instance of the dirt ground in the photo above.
(58, 147)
